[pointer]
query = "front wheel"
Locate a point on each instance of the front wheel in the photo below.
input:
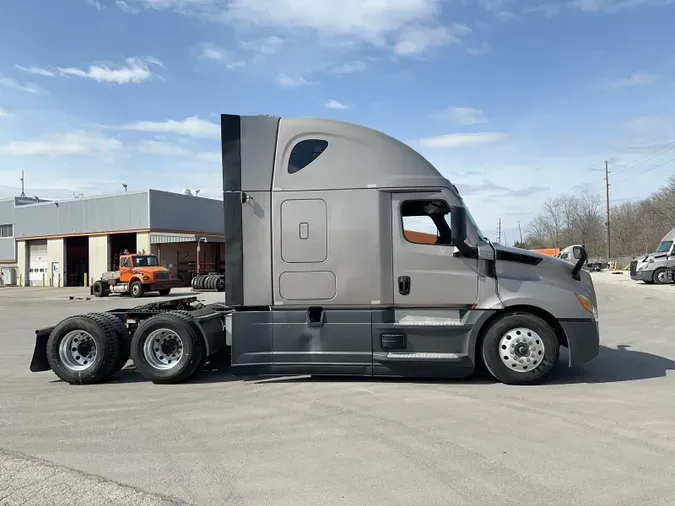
(136, 289)
(660, 276)
(520, 349)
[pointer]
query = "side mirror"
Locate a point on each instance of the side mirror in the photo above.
(458, 225)
(458, 231)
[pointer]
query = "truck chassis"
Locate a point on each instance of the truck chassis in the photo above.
(169, 342)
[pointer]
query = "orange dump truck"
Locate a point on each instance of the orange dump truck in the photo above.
(554, 252)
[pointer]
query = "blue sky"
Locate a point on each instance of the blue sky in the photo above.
(513, 100)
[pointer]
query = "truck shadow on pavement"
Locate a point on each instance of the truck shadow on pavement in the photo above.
(612, 365)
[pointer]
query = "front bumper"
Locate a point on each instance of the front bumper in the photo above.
(583, 337)
(165, 284)
(642, 275)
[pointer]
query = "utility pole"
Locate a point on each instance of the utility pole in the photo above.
(23, 188)
(520, 231)
(609, 246)
(499, 231)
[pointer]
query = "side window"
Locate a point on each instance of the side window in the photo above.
(125, 262)
(426, 222)
(304, 153)
(565, 256)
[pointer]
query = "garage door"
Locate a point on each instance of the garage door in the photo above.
(37, 262)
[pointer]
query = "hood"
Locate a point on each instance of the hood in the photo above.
(540, 266)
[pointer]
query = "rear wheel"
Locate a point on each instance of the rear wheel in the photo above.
(83, 349)
(168, 348)
(520, 349)
(124, 339)
(99, 289)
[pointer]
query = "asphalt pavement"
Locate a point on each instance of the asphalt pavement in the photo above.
(601, 435)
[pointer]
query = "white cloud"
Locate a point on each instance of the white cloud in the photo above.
(168, 149)
(292, 82)
(215, 53)
(463, 140)
(5, 114)
(8, 82)
(635, 79)
(484, 48)
(334, 104)
(192, 126)
(134, 70)
(75, 143)
(125, 7)
(36, 71)
(266, 46)
(417, 39)
(212, 52)
(377, 22)
(464, 115)
(96, 4)
(349, 68)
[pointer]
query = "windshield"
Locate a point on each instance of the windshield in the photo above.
(478, 230)
(145, 261)
(664, 247)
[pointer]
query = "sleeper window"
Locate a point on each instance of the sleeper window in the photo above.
(304, 153)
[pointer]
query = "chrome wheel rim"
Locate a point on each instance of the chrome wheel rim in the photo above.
(77, 350)
(163, 349)
(661, 277)
(521, 349)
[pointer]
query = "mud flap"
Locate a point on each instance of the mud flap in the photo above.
(40, 362)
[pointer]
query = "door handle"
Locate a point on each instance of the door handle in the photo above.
(404, 285)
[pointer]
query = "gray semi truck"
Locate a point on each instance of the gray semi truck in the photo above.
(322, 278)
(657, 267)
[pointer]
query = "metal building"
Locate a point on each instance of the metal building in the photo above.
(69, 242)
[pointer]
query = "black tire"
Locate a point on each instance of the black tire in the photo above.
(165, 292)
(220, 285)
(136, 289)
(124, 338)
(660, 276)
(212, 282)
(193, 347)
(520, 372)
(107, 349)
(99, 289)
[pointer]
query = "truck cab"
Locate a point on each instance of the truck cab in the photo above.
(656, 267)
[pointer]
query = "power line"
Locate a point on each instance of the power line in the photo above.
(646, 170)
(641, 159)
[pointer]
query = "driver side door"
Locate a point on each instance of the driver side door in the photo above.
(426, 273)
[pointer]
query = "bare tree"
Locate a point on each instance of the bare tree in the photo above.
(637, 226)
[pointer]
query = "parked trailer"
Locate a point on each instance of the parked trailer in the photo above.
(322, 279)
